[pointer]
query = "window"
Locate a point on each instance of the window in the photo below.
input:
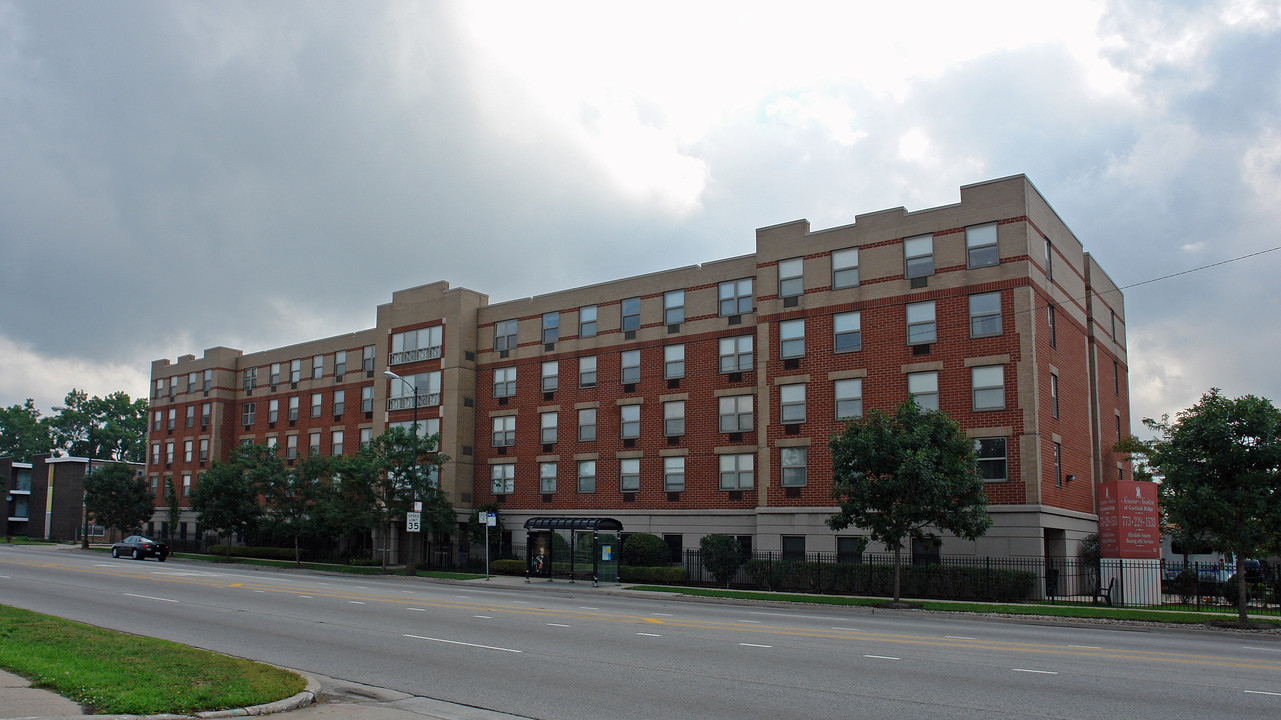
(551, 327)
(186, 450)
(1118, 428)
(317, 367)
(674, 361)
(160, 387)
(849, 398)
(844, 268)
(791, 338)
(980, 246)
(291, 447)
(335, 443)
(586, 476)
(985, 314)
(794, 548)
(295, 371)
(425, 428)
(504, 382)
(1049, 261)
(547, 428)
(924, 387)
(366, 437)
(587, 371)
(629, 474)
(551, 375)
(190, 419)
(846, 332)
(340, 363)
(156, 419)
(793, 460)
(587, 424)
(208, 381)
(204, 450)
(172, 419)
(1058, 464)
(1054, 395)
(155, 453)
(367, 358)
(547, 478)
(340, 402)
(505, 335)
(247, 414)
(191, 382)
(987, 384)
(674, 418)
(502, 478)
(186, 484)
(674, 474)
(1116, 378)
(735, 297)
(1049, 319)
(629, 421)
(275, 374)
(674, 543)
(273, 411)
(315, 405)
(918, 256)
(204, 414)
(849, 550)
(631, 314)
(736, 471)
(587, 321)
(920, 323)
(674, 307)
(367, 399)
(631, 366)
(736, 354)
(251, 379)
(293, 408)
(313, 443)
(792, 403)
(504, 431)
(735, 413)
(791, 281)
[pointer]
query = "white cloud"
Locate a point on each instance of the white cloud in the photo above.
(25, 373)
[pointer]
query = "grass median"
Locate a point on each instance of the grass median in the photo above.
(109, 672)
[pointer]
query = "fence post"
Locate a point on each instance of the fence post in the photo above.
(987, 577)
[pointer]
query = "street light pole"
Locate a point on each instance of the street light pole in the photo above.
(409, 566)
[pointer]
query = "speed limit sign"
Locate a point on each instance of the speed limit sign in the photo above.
(413, 521)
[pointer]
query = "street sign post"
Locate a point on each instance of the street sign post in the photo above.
(490, 519)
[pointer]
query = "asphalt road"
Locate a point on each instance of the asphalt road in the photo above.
(561, 651)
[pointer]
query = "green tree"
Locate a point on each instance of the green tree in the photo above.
(114, 427)
(23, 433)
(896, 475)
(347, 505)
(646, 550)
(173, 511)
(1220, 469)
(722, 556)
(226, 501)
(476, 530)
(407, 469)
(115, 497)
(290, 496)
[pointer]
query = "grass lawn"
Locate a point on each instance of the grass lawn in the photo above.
(110, 672)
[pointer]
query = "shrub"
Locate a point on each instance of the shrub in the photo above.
(644, 549)
(250, 551)
(1185, 585)
(507, 567)
(952, 583)
(654, 575)
(1230, 590)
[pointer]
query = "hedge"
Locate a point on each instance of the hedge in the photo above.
(930, 581)
(266, 553)
(652, 575)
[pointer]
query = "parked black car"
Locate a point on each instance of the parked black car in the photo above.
(139, 547)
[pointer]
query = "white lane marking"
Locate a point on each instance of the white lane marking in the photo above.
(584, 607)
(305, 597)
(260, 591)
(1038, 672)
(881, 657)
(484, 617)
(466, 644)
(556, 625)
(758, 622)
(845, 628)
(663, 614)
(754, 645)
(1262, 692)
(1086, 647)
(149, 597)
(5, 577)
(417, 609)
(1248, 647)
(959, 637)
(521, 602)
(649, 634)
(362, 587)
(465, 597)
(355, 602)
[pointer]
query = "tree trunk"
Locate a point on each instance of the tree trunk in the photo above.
(898, 565)
(230, 536)
(297, 554)
(1241, 598)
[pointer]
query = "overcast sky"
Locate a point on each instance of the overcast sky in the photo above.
(176, 176)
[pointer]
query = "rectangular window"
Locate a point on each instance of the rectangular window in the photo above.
(735, 414)
(155, 453)
(271, 441)
(674, 361)
(186, 450)
(1054, 395)
(186, 484)
(631, 319)
(920, 323)
(587, 371)
(1058, 465)
(502, 478)
(313, 443)
(985, 314)
(273, 411)
(918, 256)
(504, 382)
(736, 354)
(160, 387)
(587, 424)
(1116, 378)
(190, 419)
(504, 431)
(792, 403)
(208, 381)
(987, 384)
(791, 338)
(674, 418)
(673, 474)
(204, 449)
(191, 382)
(849, 398)
(794, 548)
(844, 268)
(1049, 319)
(247, 414)
(924, 387)
(156, 420)
(505, 335)
(586, 476)
(295, 371)
(367, 399)
(793, 464)
(173, 387)
(736, 471)
(366, 437)
(791, 280)
(674, 307)
(847, 332)
(735, 297)
(204, 414)
(291, 447)
(315, 405)
(629, 474)
(980, 246)
(631, 366)
(173, 419)
(629, 421)
(587, 321)
(551, 375)
(1118, 428)
(293, 408)
(335, 443)
(551, 327)
(1049, 261)
(367, 358)
(547, 428)
(317, 367)
(340, 363)
(340, 402)
(251, 379)
(275, 375)
(547, 478)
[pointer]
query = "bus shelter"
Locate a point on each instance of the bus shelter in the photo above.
(573, 547)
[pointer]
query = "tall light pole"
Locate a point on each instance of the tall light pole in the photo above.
(84, 495)
(409, 566)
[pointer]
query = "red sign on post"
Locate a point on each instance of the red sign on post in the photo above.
(1128, 525)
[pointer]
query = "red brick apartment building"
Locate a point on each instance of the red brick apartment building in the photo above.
(700, 399)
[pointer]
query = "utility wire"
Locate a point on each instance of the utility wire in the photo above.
(1197, 269)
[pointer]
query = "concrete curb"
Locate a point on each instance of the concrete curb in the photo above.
(299, 700)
